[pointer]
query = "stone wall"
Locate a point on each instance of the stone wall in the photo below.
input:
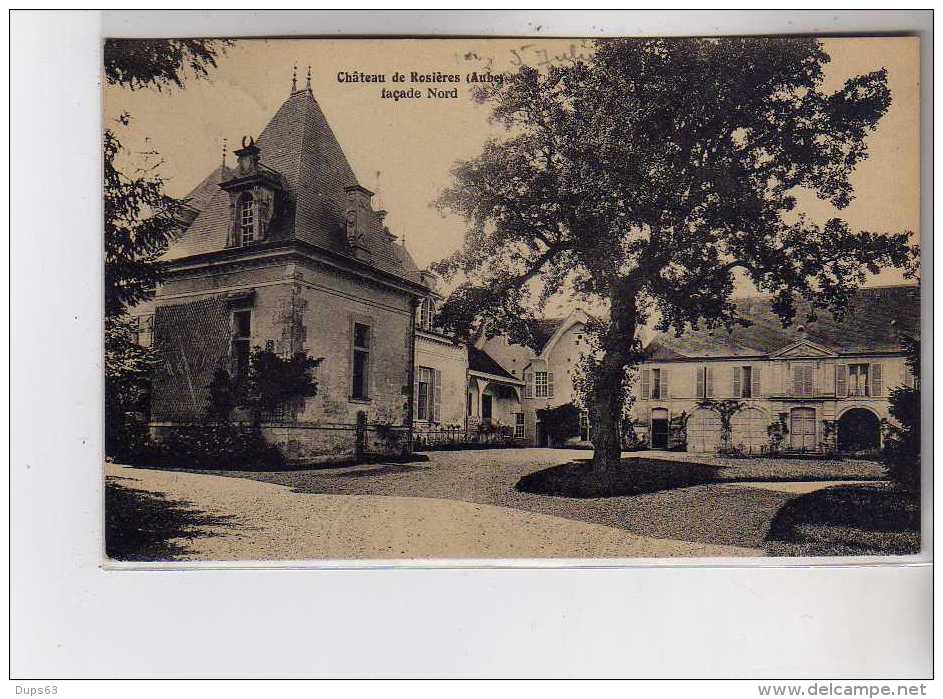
(295, 306)
(451, 360)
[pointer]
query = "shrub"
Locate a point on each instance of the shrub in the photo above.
(393, 438)
(776, 432)
(678, 432)
(726, 409)
(630, 438)
(829, 444)
(901, 453)
(275, 382)
(560, 423)
(221, 445)
(127, 390)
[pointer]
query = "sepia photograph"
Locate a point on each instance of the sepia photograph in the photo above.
(502, 299)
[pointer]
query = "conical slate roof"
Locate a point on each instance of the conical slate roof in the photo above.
(201, 195)
(299, 144)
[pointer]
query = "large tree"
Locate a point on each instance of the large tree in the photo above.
(645, 178)
(140, 220)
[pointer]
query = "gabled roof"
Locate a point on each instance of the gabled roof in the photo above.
(872, 323)
(542, 329)
(299, 145)
(479, 360)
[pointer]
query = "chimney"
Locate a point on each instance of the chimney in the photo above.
(429, 279)
(358, 197)
(358, 210)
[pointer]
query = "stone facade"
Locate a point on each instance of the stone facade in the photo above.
(809, 414)
(285, 253)
(821, 386)
(547, 371)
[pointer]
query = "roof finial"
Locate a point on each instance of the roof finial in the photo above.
(225, 148)
(308, 81)
(294, 78)
(379, 191)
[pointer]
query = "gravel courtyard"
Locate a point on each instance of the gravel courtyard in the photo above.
(474, 491)
(231, 519)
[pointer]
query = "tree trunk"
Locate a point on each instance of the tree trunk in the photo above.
(608, 385)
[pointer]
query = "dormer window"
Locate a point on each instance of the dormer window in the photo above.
(246, 219)
(255, 193)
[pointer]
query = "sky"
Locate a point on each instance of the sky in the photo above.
(413, 144)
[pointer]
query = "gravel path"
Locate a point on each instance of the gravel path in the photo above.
(265, 521)
(723, 514)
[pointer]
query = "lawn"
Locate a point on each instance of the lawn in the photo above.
(870, 519)
(637, 475)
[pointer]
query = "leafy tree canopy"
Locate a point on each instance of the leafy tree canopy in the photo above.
(140, 219)
(159, 63)
(645, 177)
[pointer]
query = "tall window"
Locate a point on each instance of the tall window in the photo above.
(361, 361)
(241, 341)
(543, 384)
(858, 380)
(743, 382)
(425, 390)
(426, 314)
(705, 381)
(803, 380)
(246, 220)
(656, 383)
(519, 425)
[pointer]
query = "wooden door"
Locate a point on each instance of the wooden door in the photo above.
(802, 429)
(704, 431)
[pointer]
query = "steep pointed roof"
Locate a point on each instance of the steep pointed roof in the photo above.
(298, 144)
(201, 195)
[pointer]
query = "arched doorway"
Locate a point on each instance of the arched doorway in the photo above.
(748, 430)
(704, 431)
(859, 430)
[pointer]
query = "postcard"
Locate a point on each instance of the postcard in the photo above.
(493, 299)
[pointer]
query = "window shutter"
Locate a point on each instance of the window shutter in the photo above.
(803, 380)
(416, 373)
(737, 388)
(664, 384)
(549, 384)
(709, 381)
(841, 380)
(700, 381)
(437, 395)
(877, 380)
(528, 384)
(757, 385)
(646, 382)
